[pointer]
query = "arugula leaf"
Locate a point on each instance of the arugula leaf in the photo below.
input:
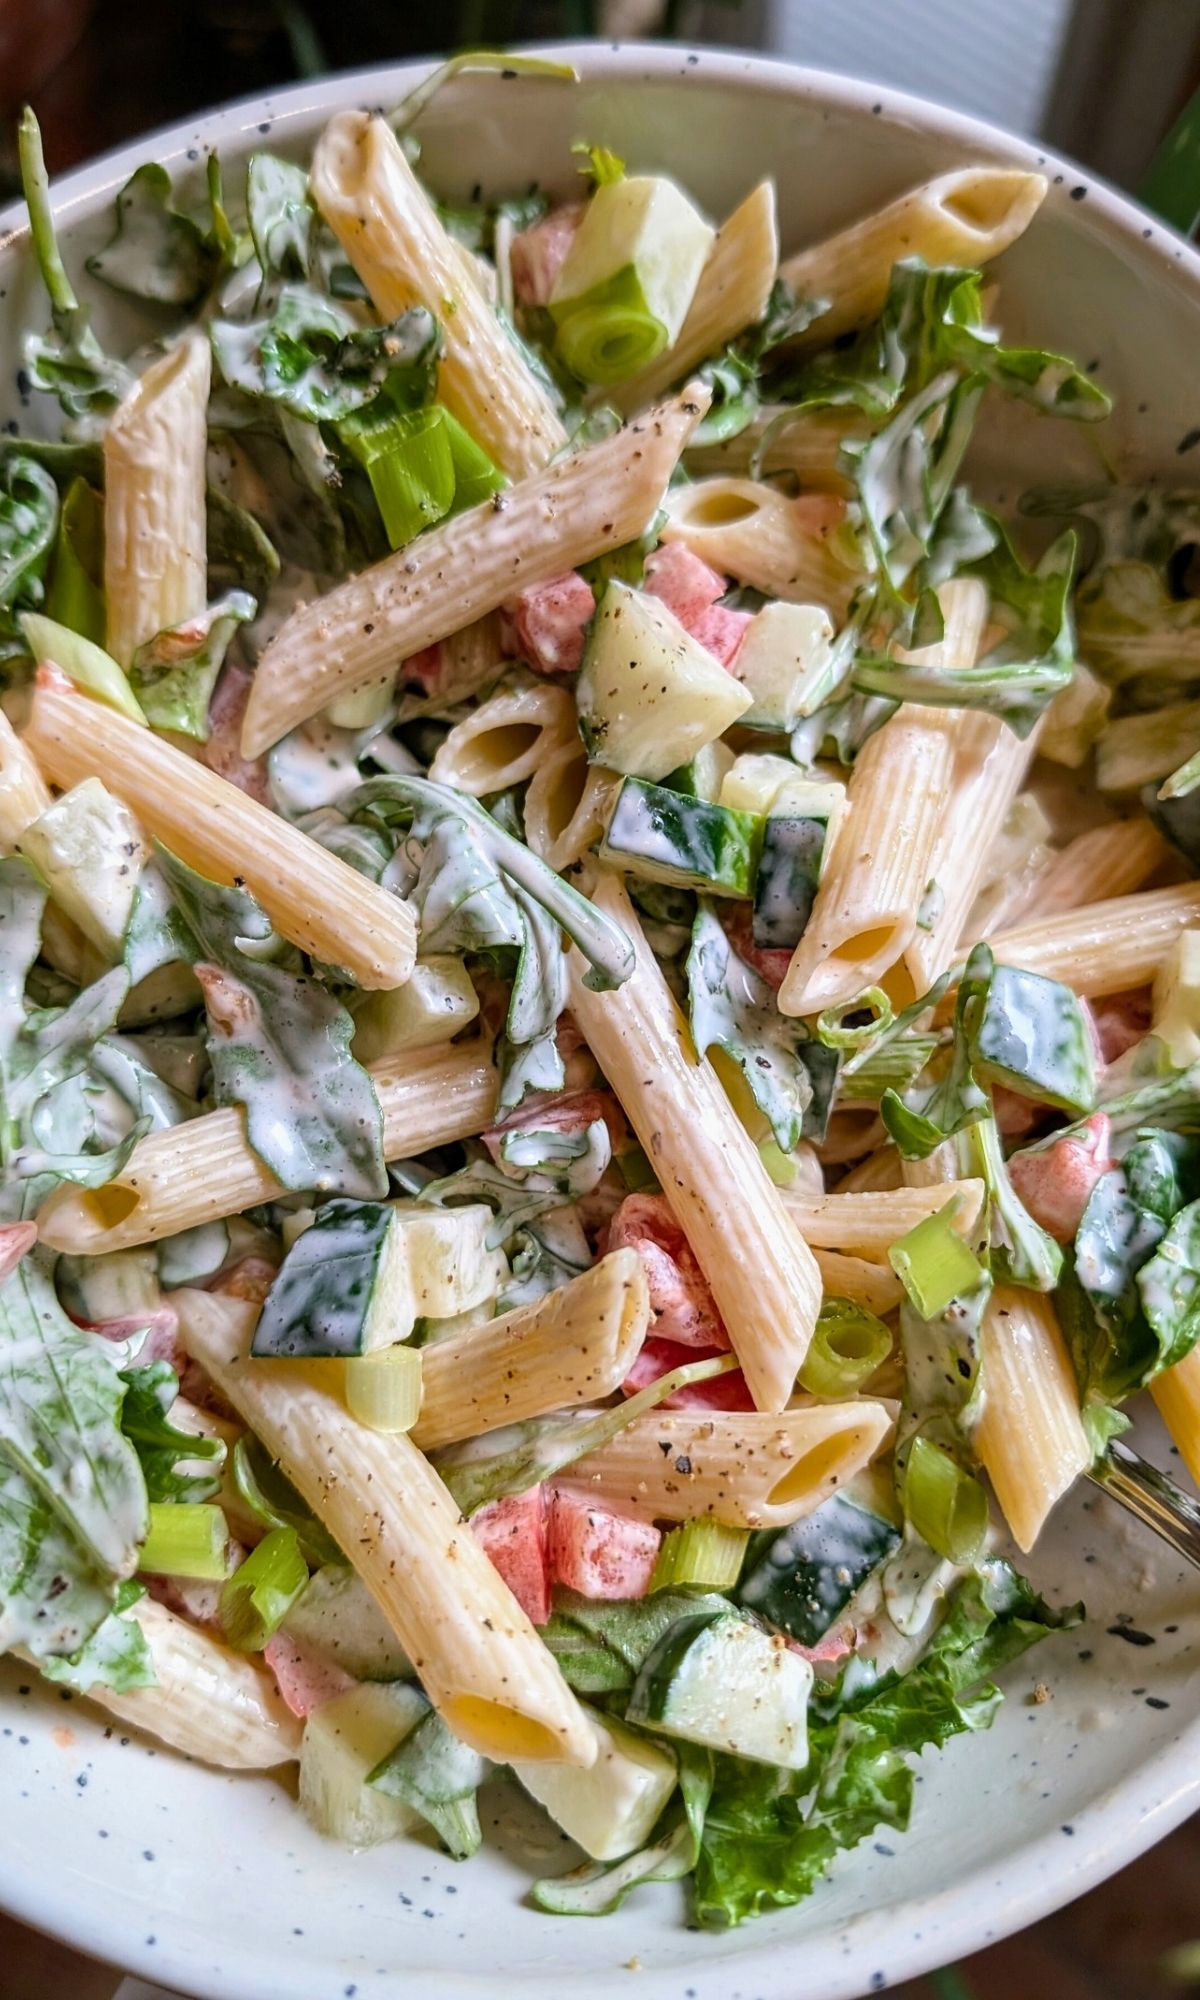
(28, 524)
(115, 1656)
(280, 1047)
(52, 1595)
(956, 1099)
(281, 215)
(269, 1496)
(790, 1077)
(439, 1776)
(174, 674)
(312, 358)
(942, 1387)
(150, 1392)
(156, 252)
(1022, 1252)
(1169, 1286)
(241, 556)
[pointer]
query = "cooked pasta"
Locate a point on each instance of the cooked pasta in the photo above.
(507, 739)
(155, 542)
(789, 549)
(1030, 1437)
(1105, 947)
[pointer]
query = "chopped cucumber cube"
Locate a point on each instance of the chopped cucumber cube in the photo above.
(336, 1616)
(754, 779)
(437, 1001)
(343, 1742)
(611, 1808)
(703, 777)
(650, 696)
(784, 660)
(726, 1683)
(451, 1269)
(666, 836)
(628, 278)
(1032, 1036)
(89, 850)
(811, 1570)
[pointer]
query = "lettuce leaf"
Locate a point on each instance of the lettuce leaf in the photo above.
(161, 1447)
(174, 674)
(310, 356)
(156, 252)
(115, 1656)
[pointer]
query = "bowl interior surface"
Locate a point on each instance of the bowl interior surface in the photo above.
(215, 1884)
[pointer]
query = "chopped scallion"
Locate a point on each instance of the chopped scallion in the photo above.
(701, 1552)
(946, 1505)
(848, 1345)
(75, 596)
(610, 334)
(407, 457)
(186, 1540)
(383, 1389)
(89, 666)
(475, 477)
(258, 1596)
(934, 1264)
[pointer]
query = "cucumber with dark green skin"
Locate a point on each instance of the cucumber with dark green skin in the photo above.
(823, 1066)
(668, 836)
(331, 1293)
(730, 1685)
(789, 868)
(805, 1579)
(1031, 1035)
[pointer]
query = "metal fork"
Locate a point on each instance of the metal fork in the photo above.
(1142, 1490)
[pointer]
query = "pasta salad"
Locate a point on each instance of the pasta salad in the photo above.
(599, 1002)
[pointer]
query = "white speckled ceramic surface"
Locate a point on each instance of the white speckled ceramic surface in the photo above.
(214, 1885)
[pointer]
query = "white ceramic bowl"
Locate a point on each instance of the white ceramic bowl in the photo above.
(215, 1885)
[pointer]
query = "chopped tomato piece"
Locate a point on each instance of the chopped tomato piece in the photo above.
(656, 1358)
(513, 1534)
(683, 581)
(1055, 1185)
(599, 1553)
(537, 254)
(683, 1306)
(549, 622)
(306, 1681)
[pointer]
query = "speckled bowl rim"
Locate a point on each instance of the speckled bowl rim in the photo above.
(1114, 1827)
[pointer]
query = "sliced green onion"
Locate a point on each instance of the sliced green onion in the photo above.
(895, 1065)
(610, 333)
(407, 457)
(601, 166)
(36, 186)
(186, 1540)
(410, 108)
(946, 1505)
(258, 1596)
(269, 1497)
(933, 1263)
(701, 1552)
(475, 477)
(831, 1028)
(383, 1390)
(89, 666)
(847, 1346)
(75, 597)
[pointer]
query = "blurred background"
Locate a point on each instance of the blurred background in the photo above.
(1100, 79)
(1103, 80)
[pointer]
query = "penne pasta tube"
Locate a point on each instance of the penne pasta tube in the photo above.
(755, 1471)
(1105, 861)
(210, 1703)
(1105, 947)
(964, 217)
(809, 445)
(506, 739)
(573, 1345)
(866, 1225)
(313, 898)
(732, 294)
(874, 1175)
(567, 805)
(874, 1286)
(1030, 1437)
(762, 1273)
(388, 227)
(990, 764)
(205, 1170)
(467, 566)
(479, 1659)
(1177, 1394)
(752, 531)
(24, 793)
(155, 539)
(864, 916)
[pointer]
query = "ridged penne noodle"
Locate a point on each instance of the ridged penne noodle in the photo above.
(478, 1657)
(389, 229)
(506, 739)
(24, 793)
(313, 898)
(964, 217)
(573, 1345)
(755, 1471)
(155, 548)
(1177, 1393)
(874, 1175)
(808, 445)
(866, 1225)
(990, 763)
(864, 916)
(762, 1273)
(206, 1170)
(211, 1703)
(471, 658)
(567, 805)
(732, 294)
(1030, 1437)
(874, 1286)
(754, 532)
(1105, 861)
(458, 571)
(1105, 947)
